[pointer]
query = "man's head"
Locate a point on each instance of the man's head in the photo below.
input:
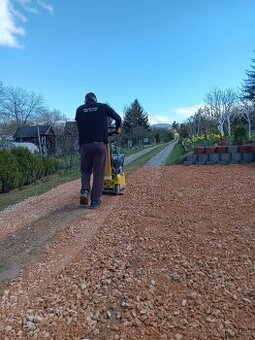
(90, 97)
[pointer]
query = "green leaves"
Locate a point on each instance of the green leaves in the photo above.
(135, 117)
(19, 167)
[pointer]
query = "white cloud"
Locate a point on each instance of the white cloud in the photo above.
(187, 111)
(178, 114)
(27, 6)
(158, 119)
(9, 29)
(46, 6)
(11, 19)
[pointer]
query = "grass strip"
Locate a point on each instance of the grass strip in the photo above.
(131, 151)
(139, 162)
(39, 187)
(177, 155)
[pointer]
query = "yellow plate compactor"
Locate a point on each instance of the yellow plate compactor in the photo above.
(114, 180)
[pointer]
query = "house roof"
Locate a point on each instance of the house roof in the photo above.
(32, 131)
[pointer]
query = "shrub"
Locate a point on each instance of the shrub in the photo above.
(37, 169)
(29, 166)
(50, 165)
(9, 171)
(239, 137)
(20, 167)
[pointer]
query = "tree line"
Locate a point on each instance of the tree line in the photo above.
(137, 129)
(226, 111)
(20, 107)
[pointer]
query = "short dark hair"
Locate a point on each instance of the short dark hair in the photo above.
(90, 96)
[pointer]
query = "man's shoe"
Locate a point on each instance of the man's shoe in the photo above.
(94, 204)
(84, 198)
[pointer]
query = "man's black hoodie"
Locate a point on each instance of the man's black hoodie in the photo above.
(92, 121)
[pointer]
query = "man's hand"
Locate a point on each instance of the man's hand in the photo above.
(118, 131)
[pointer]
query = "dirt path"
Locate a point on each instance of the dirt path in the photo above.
(28, 235)
(26, 228)
(161, 158)
(173, 258)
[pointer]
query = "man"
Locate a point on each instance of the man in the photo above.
(92, 123)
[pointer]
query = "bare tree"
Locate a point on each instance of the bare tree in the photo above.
(194, 122)
(7, 129)
(191, 125)
(200, 122)
(1, 91)
(67, 140)
(1, 101)
(247, 111)
(221, 104)
(20, 105)
(49, 117)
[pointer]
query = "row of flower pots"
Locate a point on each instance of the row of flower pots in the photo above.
(221, 155)
(225, 149)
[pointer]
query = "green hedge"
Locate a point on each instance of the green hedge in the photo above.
(30, 166)
(50, 165)
(10, 175)
(20, 167)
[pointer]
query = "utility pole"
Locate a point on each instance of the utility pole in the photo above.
(39, 140)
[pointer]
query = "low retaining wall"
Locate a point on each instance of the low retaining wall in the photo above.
(221, 155)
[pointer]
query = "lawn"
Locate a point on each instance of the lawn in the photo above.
(131, 151)
(37, 188)
(177, 155)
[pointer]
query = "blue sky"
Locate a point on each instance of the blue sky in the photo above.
(166, 53)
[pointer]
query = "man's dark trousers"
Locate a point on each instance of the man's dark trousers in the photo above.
(93, 158)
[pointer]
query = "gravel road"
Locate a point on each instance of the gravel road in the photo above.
(161, 158)
(138, 154)
(173, 258)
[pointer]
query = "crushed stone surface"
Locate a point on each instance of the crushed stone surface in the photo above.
(172, 258)
(136, 155)
(160, 158)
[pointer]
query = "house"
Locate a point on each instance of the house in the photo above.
(41, 135)
(71, 134)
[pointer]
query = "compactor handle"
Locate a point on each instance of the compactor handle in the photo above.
(112, 131)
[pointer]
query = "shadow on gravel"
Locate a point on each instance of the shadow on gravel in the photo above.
(27, 244)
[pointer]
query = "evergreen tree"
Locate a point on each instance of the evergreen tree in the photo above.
(175, 125)
(248, 89)
(134, 117)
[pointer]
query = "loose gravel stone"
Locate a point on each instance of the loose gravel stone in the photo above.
(173, 258)
(175, 276)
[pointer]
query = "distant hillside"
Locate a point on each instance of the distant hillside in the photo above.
(161, 126)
